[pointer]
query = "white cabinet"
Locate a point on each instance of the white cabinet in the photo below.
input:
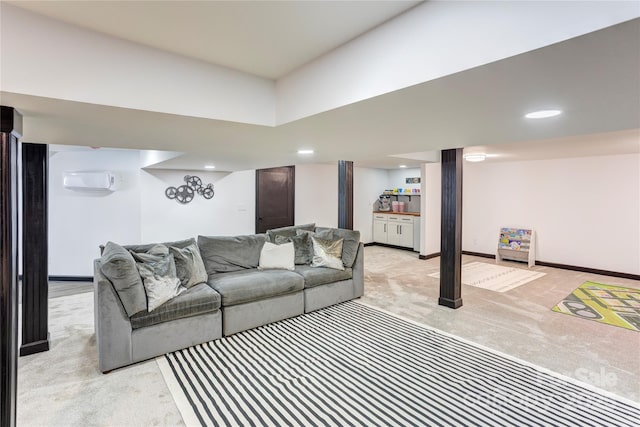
(397, 230)
(400, 230)
(380, 228)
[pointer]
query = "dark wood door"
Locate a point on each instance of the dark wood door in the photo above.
(275, 197)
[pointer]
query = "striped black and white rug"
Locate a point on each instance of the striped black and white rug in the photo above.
(353, 365)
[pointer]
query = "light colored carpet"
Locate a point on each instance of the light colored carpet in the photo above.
(63, 386)
(494, 277)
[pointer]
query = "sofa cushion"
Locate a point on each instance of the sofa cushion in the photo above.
(198, 299)
(289, 231)
(252, 285)
(350, 245)
(223, 254)
(301, 245)
(119, 267)
(316, 276)
(189, 265)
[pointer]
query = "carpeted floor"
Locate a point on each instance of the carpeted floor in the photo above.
(64, 387)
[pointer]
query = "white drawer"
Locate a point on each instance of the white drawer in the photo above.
(403, 218)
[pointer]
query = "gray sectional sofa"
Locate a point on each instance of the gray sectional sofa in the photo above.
(234, 294)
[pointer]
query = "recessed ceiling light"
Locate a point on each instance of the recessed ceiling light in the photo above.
(543, 114)
(209, 167)
(475, 157)
(305, 151)
(402, 166)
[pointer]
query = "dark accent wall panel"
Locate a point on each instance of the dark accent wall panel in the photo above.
(35, 286)
(345, 194)
(10, 132)
(451, 229)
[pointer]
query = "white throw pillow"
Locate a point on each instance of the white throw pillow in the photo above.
(275, 256)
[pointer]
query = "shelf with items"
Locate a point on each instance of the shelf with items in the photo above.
(517, 244)
(398, 195)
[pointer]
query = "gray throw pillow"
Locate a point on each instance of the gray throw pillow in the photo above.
(351, 242)
(147, 246)
(301, 245)
(158, 271)
(325, 234)
(327, 253)
(189, 266)
(289, 231)
(119, 267)
(232, 253)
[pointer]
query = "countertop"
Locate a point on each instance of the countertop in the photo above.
(397, 213)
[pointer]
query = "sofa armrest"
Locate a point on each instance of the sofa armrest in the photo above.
(112, 325)
(358, 272)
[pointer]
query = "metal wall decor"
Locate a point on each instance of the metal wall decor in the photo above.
(185, 193)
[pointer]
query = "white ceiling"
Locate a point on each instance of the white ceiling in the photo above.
(594, 78)
(264, 38)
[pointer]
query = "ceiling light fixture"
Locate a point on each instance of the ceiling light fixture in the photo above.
(402, 166)
(305, 151)
(543, 114)
(475, 157)
(209, 167)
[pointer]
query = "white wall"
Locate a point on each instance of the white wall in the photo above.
(231, 211)
(317, 194)
(368, 184)
(139, 211)
(436, 39)
(430, 209)
(80, 222)
(45, 57)
(397, 178)
(585, 211)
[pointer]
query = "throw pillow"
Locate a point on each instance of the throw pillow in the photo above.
(275, 256)
(325, 234)
(301, 245)
(158, 271)
(327, 253)
(119, 267)
(147, 246)
(189, 266)
(289, 231)
(351, 243)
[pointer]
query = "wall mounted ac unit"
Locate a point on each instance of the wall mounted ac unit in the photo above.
(89, 181)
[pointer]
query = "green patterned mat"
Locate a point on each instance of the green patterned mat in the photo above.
(613, 305)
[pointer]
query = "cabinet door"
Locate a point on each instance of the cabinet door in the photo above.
(380, 231)
(406, 235)
(393, 233)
